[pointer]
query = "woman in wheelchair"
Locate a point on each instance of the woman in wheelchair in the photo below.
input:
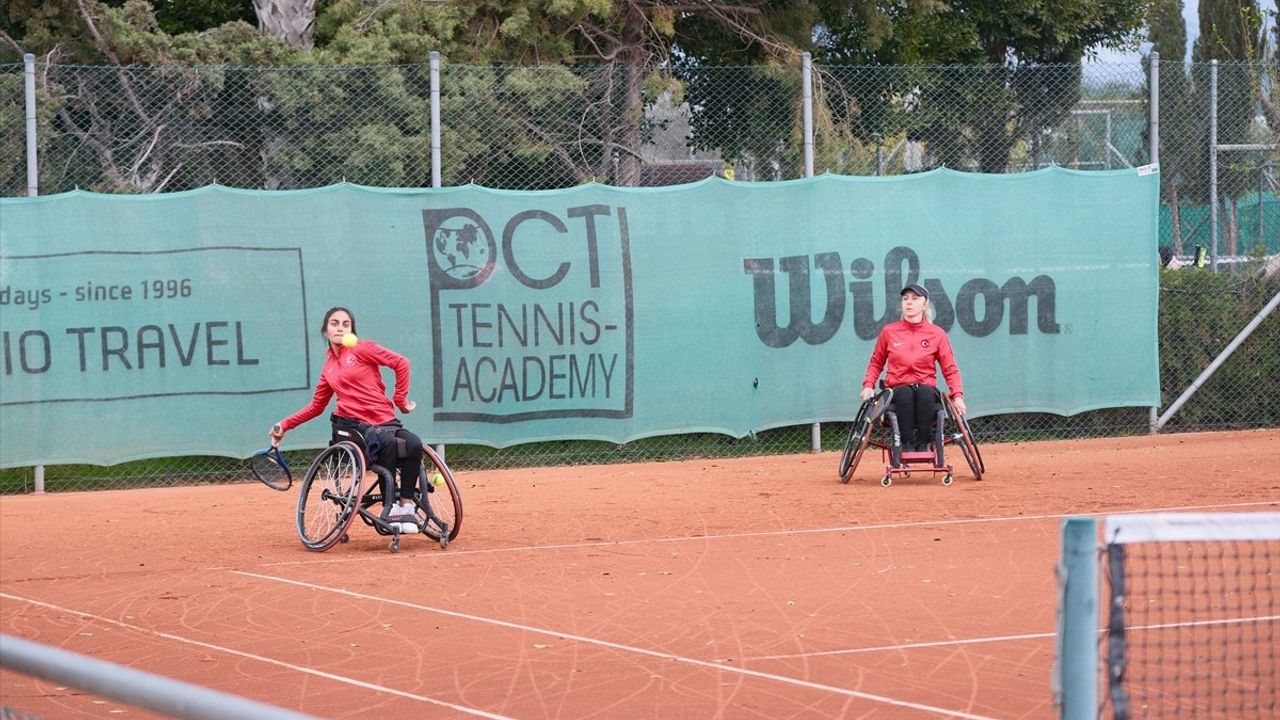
(912, 348)
(352, 372)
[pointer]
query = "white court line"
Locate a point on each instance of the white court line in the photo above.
(906, 646)
(1004, 638)
(626, 648)
(259, 658)
(453, 552)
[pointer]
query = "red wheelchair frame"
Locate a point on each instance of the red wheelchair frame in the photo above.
(875, 412)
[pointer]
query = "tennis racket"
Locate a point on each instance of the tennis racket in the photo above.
(271, 469)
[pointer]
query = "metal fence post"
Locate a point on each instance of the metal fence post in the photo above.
(806, 73)
(33, 174)
(435, 118)
(1213, 164)
(806, 84)
(435, 145)
(1154, 159)
(1154, 151)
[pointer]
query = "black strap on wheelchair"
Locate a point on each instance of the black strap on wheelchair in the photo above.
(370, 438)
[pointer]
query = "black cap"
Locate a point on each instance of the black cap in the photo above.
(917, 289)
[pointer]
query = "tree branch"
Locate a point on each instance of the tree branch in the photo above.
(122, 76)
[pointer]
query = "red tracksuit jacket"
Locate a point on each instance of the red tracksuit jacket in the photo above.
(352, 374)
(911, 350)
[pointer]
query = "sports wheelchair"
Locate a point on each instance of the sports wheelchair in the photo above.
(333, 494)
(877, 414)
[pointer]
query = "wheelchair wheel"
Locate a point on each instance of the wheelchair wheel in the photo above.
(330, 496)
(964, 438)
(439, 506)
(869, 413)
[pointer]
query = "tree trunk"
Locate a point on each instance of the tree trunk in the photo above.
(289, 20)
(632, 55)
(605, 172)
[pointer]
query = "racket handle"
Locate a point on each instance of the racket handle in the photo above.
(277, 432)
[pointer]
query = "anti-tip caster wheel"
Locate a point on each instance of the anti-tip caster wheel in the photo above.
(946, 479)
(345, 538)
(887, 480)
(395, 544)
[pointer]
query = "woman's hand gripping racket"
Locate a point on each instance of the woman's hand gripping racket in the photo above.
(269, 466)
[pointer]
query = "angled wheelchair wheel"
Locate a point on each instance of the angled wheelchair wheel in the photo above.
(439, 503)
(869, 413)
(330, 496)
(856, 444)
(854, 447)
(964, 438)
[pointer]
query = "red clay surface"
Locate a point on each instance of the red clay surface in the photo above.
(746, 588)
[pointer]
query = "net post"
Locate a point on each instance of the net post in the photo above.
(1076, 667)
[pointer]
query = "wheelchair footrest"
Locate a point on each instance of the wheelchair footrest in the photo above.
(919, 462)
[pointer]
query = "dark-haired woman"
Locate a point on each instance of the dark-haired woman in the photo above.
(352, 372)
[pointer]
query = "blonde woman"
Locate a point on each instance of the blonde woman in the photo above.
(913, 348)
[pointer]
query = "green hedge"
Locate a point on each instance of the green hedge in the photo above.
(1200, 314)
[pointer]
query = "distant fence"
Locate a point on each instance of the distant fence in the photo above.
(163, 129)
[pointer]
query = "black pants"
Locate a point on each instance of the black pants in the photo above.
(388, 445)
(916, 407)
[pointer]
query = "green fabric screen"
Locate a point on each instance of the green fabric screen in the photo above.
(186, 323)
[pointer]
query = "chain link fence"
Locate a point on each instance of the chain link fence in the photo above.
(166, 129)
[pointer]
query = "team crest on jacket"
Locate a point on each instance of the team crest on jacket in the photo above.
(924, 343)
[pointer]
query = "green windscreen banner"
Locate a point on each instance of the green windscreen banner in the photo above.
(187, 323)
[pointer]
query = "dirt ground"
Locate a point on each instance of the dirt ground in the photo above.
(717, 588)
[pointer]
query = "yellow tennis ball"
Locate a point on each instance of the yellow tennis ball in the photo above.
(437, 479)
(350, 340)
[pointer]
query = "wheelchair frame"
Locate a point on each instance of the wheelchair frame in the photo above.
(333, 494)
(870, 416)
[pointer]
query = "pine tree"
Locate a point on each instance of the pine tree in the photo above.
(1230, 33)
(1180, 152)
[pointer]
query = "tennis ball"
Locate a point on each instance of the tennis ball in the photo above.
(437, 479)
(350, 340)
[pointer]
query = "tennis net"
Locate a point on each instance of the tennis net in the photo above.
(1194, 604)
(1191, 605)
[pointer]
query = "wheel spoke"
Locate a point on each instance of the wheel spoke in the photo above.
(326, 504)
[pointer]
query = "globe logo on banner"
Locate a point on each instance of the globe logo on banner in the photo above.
(462, 248)
(459, 252)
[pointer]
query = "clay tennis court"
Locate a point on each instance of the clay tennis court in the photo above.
(729, 588)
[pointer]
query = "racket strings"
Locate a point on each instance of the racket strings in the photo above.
(270, 471)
